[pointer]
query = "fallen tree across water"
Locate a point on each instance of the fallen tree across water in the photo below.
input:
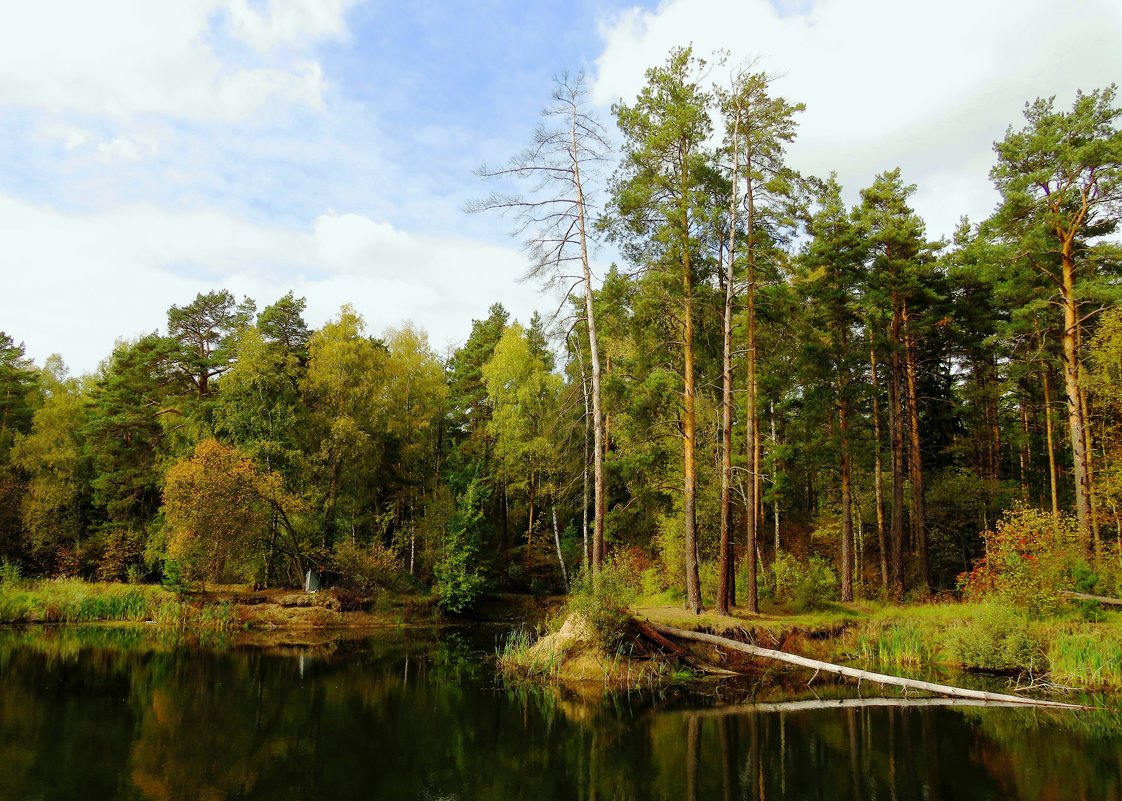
(855, 673)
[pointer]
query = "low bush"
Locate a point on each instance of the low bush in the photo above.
(367, 569)
(604, 600)
(997, 638)
(805, 585)
(1030, 559)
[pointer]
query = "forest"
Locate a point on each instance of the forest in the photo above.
(767, 381)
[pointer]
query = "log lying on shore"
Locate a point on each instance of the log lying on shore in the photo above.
(854, 673)
(1082, 596)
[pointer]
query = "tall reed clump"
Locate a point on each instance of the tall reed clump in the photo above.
(76, 601)
(517, 656)
(897, 643)
(1087, 658)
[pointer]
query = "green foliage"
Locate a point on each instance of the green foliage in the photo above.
(897, 643)
(997, 638)
(1086, 658)
(1030, 558)
(218, 507)
(173, 579)
(367, 569)
(459, 574)
(10, 572)
(806, 585)
(602, 604)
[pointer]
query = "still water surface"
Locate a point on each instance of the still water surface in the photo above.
(126, 714)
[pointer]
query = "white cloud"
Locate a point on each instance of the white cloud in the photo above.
(121, 148)
(74, 140)
(288, 21)
(927, 87)
(121, 58)
(114, 274)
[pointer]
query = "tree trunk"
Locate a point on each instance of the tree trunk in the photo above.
(1050, 437)
(530, 524)
(726, 580)
(585, 553)
(878, 480)
(775, 496)
(846, 504)
(599, 449)
(557, 544)
(915, 464)
(752, 422)
(896, 434)
(1025, 455)
(1089, 450)
(689, 426)
(1074, 393)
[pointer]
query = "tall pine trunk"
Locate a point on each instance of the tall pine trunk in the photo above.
(689, 419)
(752, 422)
(878, 470)
(846, 503)
(915, 463)
(726, 588)
(896, 435)
(1076, 422)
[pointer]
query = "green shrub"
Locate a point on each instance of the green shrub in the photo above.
(1030, 558)
(997, 638)
(173, 579)
(10, 573)
(806, 585)
(365, 570)
(460, 580)
(604, 600)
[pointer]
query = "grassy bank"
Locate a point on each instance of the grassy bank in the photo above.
(75, 601)
(217, 608)
(1081, 650)
(1066, 651)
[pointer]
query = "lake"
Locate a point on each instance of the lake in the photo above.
(133, 713)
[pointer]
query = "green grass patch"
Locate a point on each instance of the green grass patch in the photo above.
(75, 601)
(1088, 657)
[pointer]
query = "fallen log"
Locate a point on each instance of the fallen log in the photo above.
(843, 703)
(855, 673)
(1082, 596)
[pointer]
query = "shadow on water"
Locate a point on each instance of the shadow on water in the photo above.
(136, 713)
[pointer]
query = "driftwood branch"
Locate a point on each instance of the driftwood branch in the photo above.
(854, 673)
(1082, 596)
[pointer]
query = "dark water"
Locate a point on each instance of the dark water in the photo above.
(119, 714)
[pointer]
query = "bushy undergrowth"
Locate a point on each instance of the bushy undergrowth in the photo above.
(1031, 558)
(998, 639)
(603, 600)
(366, 570)
(806, 585)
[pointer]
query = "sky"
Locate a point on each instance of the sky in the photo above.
(153, 151)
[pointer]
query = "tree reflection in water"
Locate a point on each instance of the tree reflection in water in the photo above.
(120, 714)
